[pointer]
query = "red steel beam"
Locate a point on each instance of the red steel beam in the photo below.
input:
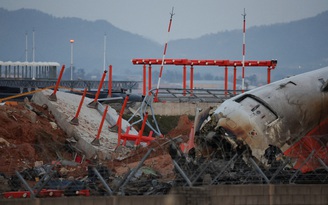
(149, 78)
(206, 62)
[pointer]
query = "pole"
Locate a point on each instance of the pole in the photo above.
(110, 81)
(26, 46)
(75, 120)
(244, 48)
(164, 53)
(226, 80)
(53, 96)
(96, 140)
(119, 120)
(149, 79)
(33, 56)
(234, 79)
(133, 172)
(105, 38)
(144, 80)
(72, 42)
(25, 184)
(182, 173)
(109, 191)
(184, 79)
(269, 74)
(94, 103)
(191, 79)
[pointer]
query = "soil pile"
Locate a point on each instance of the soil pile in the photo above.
(30, 136)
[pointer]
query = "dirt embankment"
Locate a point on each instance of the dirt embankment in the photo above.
(29, 135)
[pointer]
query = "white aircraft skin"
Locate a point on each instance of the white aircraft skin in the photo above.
(279, 114)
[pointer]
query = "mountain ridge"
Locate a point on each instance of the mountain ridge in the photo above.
(298, 46)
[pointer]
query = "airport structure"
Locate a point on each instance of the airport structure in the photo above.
(269, 64)
(33, 75)
(28, 70)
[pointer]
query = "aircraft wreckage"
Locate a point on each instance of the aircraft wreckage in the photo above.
(284, 120)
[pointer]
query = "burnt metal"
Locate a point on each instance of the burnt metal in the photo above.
(258, 169)
(201, 172)
(25, 184)
(225, 168)
(45, 179)
(108, 189)
(182, 173)
(323, 164)
(133, 172)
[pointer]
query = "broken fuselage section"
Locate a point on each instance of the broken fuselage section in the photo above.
(273, 120)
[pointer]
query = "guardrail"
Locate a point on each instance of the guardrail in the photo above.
(194, 95)
(90, 84)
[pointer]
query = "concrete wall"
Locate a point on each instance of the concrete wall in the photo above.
(175, 108)
(256, 194)
(224, 194)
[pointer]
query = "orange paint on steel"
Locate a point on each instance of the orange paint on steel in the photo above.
(144, 80)
(191, 79)
(208, 62)
(142, 129)
(149, 79)
(59, 78)
(100, 85)
(81, 103)
(226, 80)
(119, 120)
(102, 122)
(184, 84)
(234, 79)
(269, 75)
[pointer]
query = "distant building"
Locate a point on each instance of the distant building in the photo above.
(28, 70)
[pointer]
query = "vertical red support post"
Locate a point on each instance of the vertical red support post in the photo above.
(184, 83)
(75, 120)
(269, 74)
(94, 103)
(144, 80)
(191, 79)
(149, 79)
(226, 80)
(96, 140)
(110, 80)
(53, 96)
(234, 79)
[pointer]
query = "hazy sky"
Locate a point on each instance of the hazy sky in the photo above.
(193, 18)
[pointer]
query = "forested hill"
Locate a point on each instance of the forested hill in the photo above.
(298, 46)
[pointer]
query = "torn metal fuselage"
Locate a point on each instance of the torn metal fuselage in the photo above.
(276, 116)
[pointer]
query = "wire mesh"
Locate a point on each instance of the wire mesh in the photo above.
(56, 166)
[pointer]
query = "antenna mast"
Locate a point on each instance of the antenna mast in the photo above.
(105, 38)
(164, 53)
(33, 48)
(25, 46)
(244, 48)
(33, 56)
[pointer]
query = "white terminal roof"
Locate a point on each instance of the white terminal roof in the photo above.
(18, 63)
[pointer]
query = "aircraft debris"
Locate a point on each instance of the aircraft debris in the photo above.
(287, 118)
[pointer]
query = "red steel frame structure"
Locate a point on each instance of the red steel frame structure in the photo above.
(270, 64)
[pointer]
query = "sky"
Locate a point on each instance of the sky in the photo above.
(191, 19)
